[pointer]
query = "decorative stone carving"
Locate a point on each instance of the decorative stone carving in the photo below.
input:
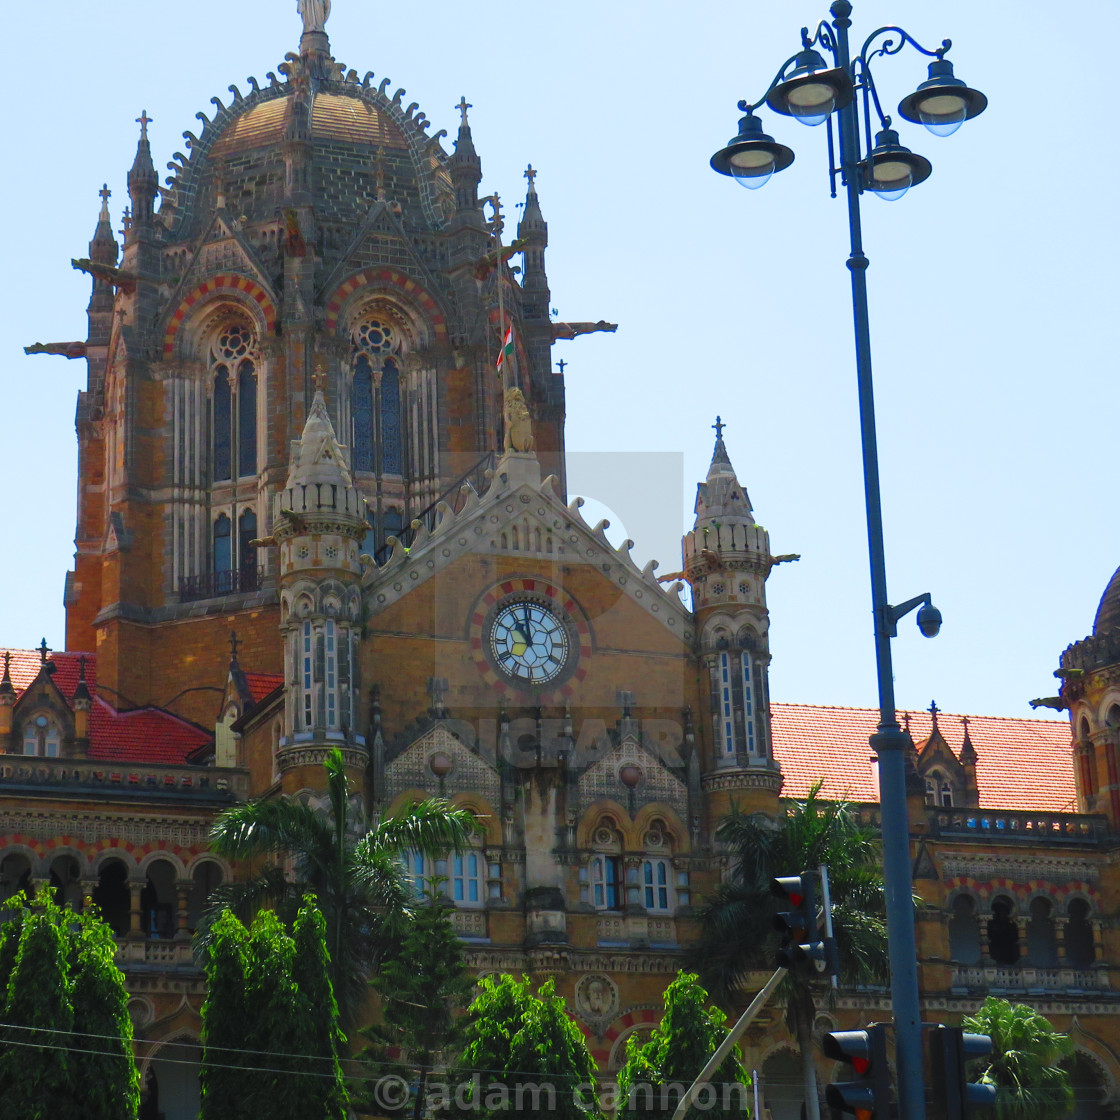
(597, 1000)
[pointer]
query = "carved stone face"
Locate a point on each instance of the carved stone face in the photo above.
(598, 997)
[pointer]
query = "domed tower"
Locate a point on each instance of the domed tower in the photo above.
(319, 520)
(311, 221)
(727, 561)
(1090, 676)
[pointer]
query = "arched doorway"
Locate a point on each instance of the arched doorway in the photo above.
(1088, 1090)
(171, 1082)
(782, 1085)
(112, 895)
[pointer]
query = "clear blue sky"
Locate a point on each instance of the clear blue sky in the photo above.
(993, 287)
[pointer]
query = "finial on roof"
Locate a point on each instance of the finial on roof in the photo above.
(143, 121)
(105, 194)
(933, 711)
(380, 166)
(463, 106)
(319, 379)
(906, 722)
(719, 454)
(44, 649)
(234, 642)
(968, 751)
(315, 14)
(531, 173)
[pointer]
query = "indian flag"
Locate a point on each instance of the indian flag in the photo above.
(506, 353)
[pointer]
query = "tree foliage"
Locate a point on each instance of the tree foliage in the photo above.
(422, 990)
(658, 1073)
(522, 1052)
(1023, 1065)
(352, 866)
(67, 1035)
(269, 1024)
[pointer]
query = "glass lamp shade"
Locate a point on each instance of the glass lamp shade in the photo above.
(891, 170)
(812, 91)
(751, 157)
(943, 103)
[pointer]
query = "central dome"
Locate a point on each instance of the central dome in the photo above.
(1108, 613)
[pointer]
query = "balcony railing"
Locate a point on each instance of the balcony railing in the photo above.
(1031, 979)
(1050, 828)
(78, 776)
(213, 585)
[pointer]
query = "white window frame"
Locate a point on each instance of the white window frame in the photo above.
(657, 885)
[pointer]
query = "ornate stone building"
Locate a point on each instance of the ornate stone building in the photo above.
(293, 430)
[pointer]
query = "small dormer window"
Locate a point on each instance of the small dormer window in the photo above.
(41, 737)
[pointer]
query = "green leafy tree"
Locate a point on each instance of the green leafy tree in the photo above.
(658, 1073)
(318, 1035)
(270, 1044)
(224, 1016)
(1024, 1063)
(738, 934)
(352, 867)
(522, 1052)
(102, 1064)
(422, 988)
(65, 1012)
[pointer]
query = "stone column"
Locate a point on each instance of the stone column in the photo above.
(183, 893)
(136, 915)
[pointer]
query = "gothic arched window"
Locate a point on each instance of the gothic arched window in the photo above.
(737, 687)
(1042, 942)
(223, 545)
(41, 737)
(375, 398)
(246, 553)
(1079, 935)
(1003, 933)
(964, 931)
(233, 407)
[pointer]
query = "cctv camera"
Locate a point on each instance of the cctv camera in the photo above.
(929, 620)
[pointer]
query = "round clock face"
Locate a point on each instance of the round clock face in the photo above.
(529, 642)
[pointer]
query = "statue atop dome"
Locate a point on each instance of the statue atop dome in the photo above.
(315, 14)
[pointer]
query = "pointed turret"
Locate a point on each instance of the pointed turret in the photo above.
(466, 173)
(319, 523)
(143, 182)
(103, 249)
(533, 229)
(727, 561)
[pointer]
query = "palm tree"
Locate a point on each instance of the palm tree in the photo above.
(738, 934)
(353, 867)
(1023, 1064)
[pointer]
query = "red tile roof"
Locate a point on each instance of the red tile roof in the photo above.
(262, 684)
(1021, 763)
(136, 735)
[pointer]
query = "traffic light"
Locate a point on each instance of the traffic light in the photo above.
(865, 1051)
(953, 1095)
(801, 940)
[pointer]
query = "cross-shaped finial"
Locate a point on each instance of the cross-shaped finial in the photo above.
(719, 425)
(906, 721)
(965, 721)
(105, 194)
(530, 173)
(933, 710)
(44, 649)
(562, 365)
(82, 667)
(463, 106)
(143, 121)
(234, 642)
(319, 379)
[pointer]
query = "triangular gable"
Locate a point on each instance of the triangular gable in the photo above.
(936, 752)
(522, 516)
(379, 225)
(411, 769)
(602, 780)
(221, 249)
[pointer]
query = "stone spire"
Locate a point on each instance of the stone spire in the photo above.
(103, 249)
(466, 171)
(721, 501)
(534, 230)
(143, 182)
(318, 474)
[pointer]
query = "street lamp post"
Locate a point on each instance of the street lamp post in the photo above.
(808, 89)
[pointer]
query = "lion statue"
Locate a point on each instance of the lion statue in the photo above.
(519, 425)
